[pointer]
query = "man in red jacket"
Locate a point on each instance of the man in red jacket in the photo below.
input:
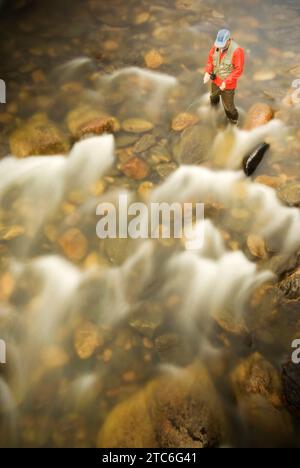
(224, 66)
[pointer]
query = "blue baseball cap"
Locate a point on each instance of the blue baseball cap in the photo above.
(222, 38)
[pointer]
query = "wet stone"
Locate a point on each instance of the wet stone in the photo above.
(290, 193)
(98, 126)
(258, 115)
(164, 170)
(86, 340)
(153, 59)
(175, 410)
(124, 140)
(38, 136)
(290, 286)
(135, 168)
(84, 115)
(145, 143)
(291, 386)
(194, 145)
(257, 246)
(137, 126)
(74, 244)
(184, 120)
(257, 376)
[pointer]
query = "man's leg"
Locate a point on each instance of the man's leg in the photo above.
(215, 94)
(229, 106)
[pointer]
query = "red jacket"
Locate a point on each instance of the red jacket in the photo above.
(238, 60)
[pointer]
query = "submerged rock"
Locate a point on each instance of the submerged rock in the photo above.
(98, 126)
(258, 115)
(181, 409)
(86, 340)
(85, 119)
(258, 390)
(137, 126)
(257, 376)
(291, 386)
(257, 246)
(38, 136)
(290, 193)
(194, 145)
(270, 181)
(73, 244)
(290, 286)
(184, 120)
(135, 168)
(264, 75)
(144, 143)
(230, 320)
(153, 59)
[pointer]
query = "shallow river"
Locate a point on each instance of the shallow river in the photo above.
(127, 343)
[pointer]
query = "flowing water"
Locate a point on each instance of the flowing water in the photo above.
(88, 323)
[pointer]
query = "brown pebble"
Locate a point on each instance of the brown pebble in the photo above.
(107, 355)
(135, 168)
(153, 59)
(73, 244)
(258, 115)
(147, 343)
(129, 376)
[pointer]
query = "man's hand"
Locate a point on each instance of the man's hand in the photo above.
(206, 78)
(223, 86)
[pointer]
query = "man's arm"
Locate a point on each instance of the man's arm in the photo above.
(238, 61)
(210, 65)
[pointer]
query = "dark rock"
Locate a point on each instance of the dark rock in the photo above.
(291, 386)
(290, 286)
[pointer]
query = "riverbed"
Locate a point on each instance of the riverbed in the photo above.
(145, 343)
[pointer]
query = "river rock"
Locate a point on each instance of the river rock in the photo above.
(116, 250)
(290, 193)
(270, 181)
(144, 143)
(86, 119)
(135, 168)
(137, 126)
(290, 286)
(184, 120)
(123, 140)
(164, 170)
(194, 145)
(38, 136)
(257, 246)
(257, 376)
(259, 114)
(98, 126)
(264, 75)
(258, 391)
(291, 386)
(74, 244)
(153, 59)
(86, 340)
(230, 320)
(142, 18)
(177, 410)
